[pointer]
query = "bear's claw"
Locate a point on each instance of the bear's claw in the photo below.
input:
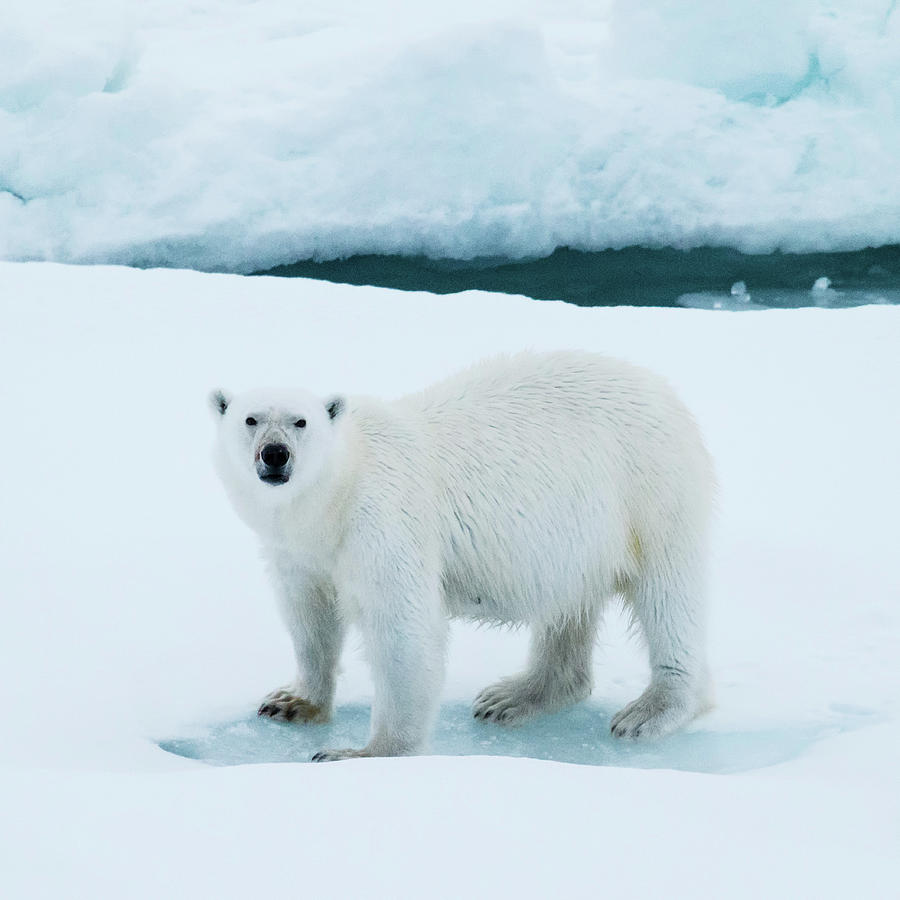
(333, 755)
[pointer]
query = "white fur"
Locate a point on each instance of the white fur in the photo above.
(528, 490)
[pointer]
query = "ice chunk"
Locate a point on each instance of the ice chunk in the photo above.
(823, 294)
(714, 300)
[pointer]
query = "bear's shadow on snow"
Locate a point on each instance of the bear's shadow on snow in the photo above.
(576, 735)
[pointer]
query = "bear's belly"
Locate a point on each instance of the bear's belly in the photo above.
(467, 597)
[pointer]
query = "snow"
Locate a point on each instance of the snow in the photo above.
(137, 613)
(230, 135)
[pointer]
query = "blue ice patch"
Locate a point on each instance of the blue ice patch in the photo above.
(576, 735)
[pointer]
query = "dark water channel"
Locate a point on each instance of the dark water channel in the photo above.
(713, 278)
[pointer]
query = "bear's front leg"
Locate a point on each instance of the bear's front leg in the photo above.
(404, 629)
(310, 613)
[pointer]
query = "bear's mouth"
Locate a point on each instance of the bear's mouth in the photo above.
(274, 477)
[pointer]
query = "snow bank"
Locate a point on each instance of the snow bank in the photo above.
(230, 135)
(136, 611)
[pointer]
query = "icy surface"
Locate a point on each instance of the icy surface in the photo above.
(136, 612)
(576, 735)
(240, 135)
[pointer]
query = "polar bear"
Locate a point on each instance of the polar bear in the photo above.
(526, 490)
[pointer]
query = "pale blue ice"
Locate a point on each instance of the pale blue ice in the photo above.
(577, 735)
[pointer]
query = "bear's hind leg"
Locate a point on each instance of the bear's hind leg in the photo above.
(669, 604)
(558, 673)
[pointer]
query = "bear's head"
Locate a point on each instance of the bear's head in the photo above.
(273, 445)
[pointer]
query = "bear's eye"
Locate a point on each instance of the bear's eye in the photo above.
(250, 421)
(300, 423)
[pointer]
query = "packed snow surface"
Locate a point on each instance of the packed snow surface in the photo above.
(237, 135)
(139, 631)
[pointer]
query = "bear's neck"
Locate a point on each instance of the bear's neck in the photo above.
(313, 523)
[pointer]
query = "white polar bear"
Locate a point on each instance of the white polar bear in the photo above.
(528, 489)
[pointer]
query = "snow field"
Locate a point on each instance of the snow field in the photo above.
(136, 610)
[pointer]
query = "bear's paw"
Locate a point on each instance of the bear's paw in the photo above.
(285, 705)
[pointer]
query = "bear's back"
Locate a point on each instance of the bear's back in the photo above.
(549, 400)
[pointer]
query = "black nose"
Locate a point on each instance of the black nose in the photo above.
(275, 456)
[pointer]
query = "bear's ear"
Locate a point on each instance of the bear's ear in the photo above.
(219, 401)
(335, 406)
